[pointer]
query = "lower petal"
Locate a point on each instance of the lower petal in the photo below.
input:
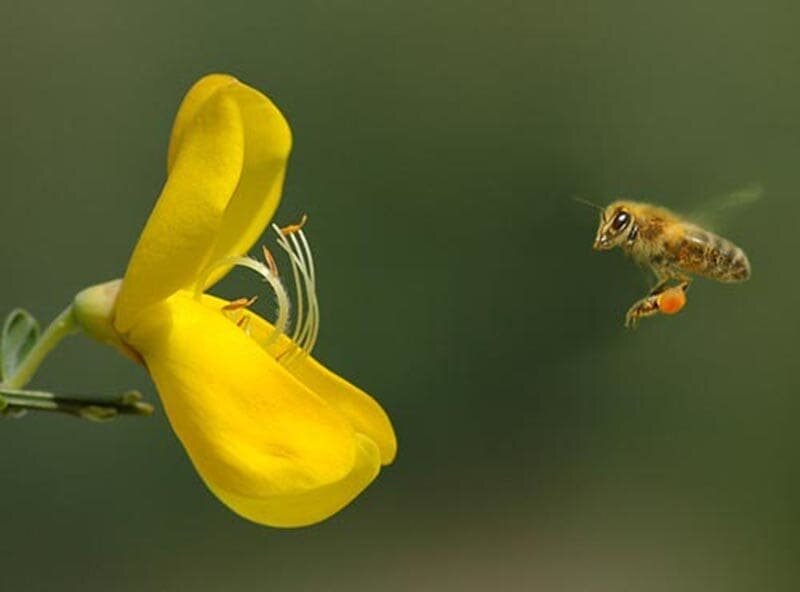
(260, 439)
(315, 505)
(364, 413)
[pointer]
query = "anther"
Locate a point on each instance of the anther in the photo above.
(292, 228)
(270, 260)
(240, 303)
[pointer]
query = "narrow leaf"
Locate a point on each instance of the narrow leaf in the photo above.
(16, 402)
(20, 333)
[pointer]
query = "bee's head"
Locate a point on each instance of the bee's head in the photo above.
(615, 220)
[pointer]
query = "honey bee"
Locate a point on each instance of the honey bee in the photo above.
(673, 248)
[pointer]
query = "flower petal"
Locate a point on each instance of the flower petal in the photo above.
(253, 431)
(314, 505)
(198, 95)
(268, 142)
(363, 412)
(226, 163)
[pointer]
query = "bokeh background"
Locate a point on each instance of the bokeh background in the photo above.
(437, 149)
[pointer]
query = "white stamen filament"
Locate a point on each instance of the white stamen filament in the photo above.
(306, 326)
(306, 322)
(312, 287)
(281, 296)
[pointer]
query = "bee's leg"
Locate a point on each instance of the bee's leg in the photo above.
(651, 304)
(660, 286)
(665, 277)
(646, 307)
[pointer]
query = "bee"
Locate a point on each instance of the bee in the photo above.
(673, 248)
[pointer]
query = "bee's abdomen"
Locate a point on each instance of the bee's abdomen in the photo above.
(705, 253)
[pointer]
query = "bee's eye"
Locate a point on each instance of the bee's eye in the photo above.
(620, 221)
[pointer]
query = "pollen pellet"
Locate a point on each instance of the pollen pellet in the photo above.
(671, 301)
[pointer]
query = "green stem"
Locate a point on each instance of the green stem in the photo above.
(15, 401)
(63, 325)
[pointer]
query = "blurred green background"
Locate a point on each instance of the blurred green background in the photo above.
(437, 148)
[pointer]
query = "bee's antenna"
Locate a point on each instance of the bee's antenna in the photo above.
(586, 202)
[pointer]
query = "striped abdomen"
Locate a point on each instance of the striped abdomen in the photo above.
(705, 253)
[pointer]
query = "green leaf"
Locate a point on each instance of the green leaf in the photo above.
(20, 334)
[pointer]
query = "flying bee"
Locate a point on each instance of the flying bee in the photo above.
(673, 248)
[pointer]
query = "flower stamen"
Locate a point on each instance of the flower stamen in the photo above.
(304, 333)
(244, 324)
(240, 303)
(235, 311)
(269, 259)
(281, 296)
(293, 228)
(293, 241)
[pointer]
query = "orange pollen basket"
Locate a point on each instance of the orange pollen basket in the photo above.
(672, 301)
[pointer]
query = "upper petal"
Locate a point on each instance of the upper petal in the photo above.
(267, 141)
(192, 103)
(226, 163)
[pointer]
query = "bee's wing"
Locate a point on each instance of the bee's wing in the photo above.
(716, 210)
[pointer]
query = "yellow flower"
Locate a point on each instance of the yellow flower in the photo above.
(276, 436)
